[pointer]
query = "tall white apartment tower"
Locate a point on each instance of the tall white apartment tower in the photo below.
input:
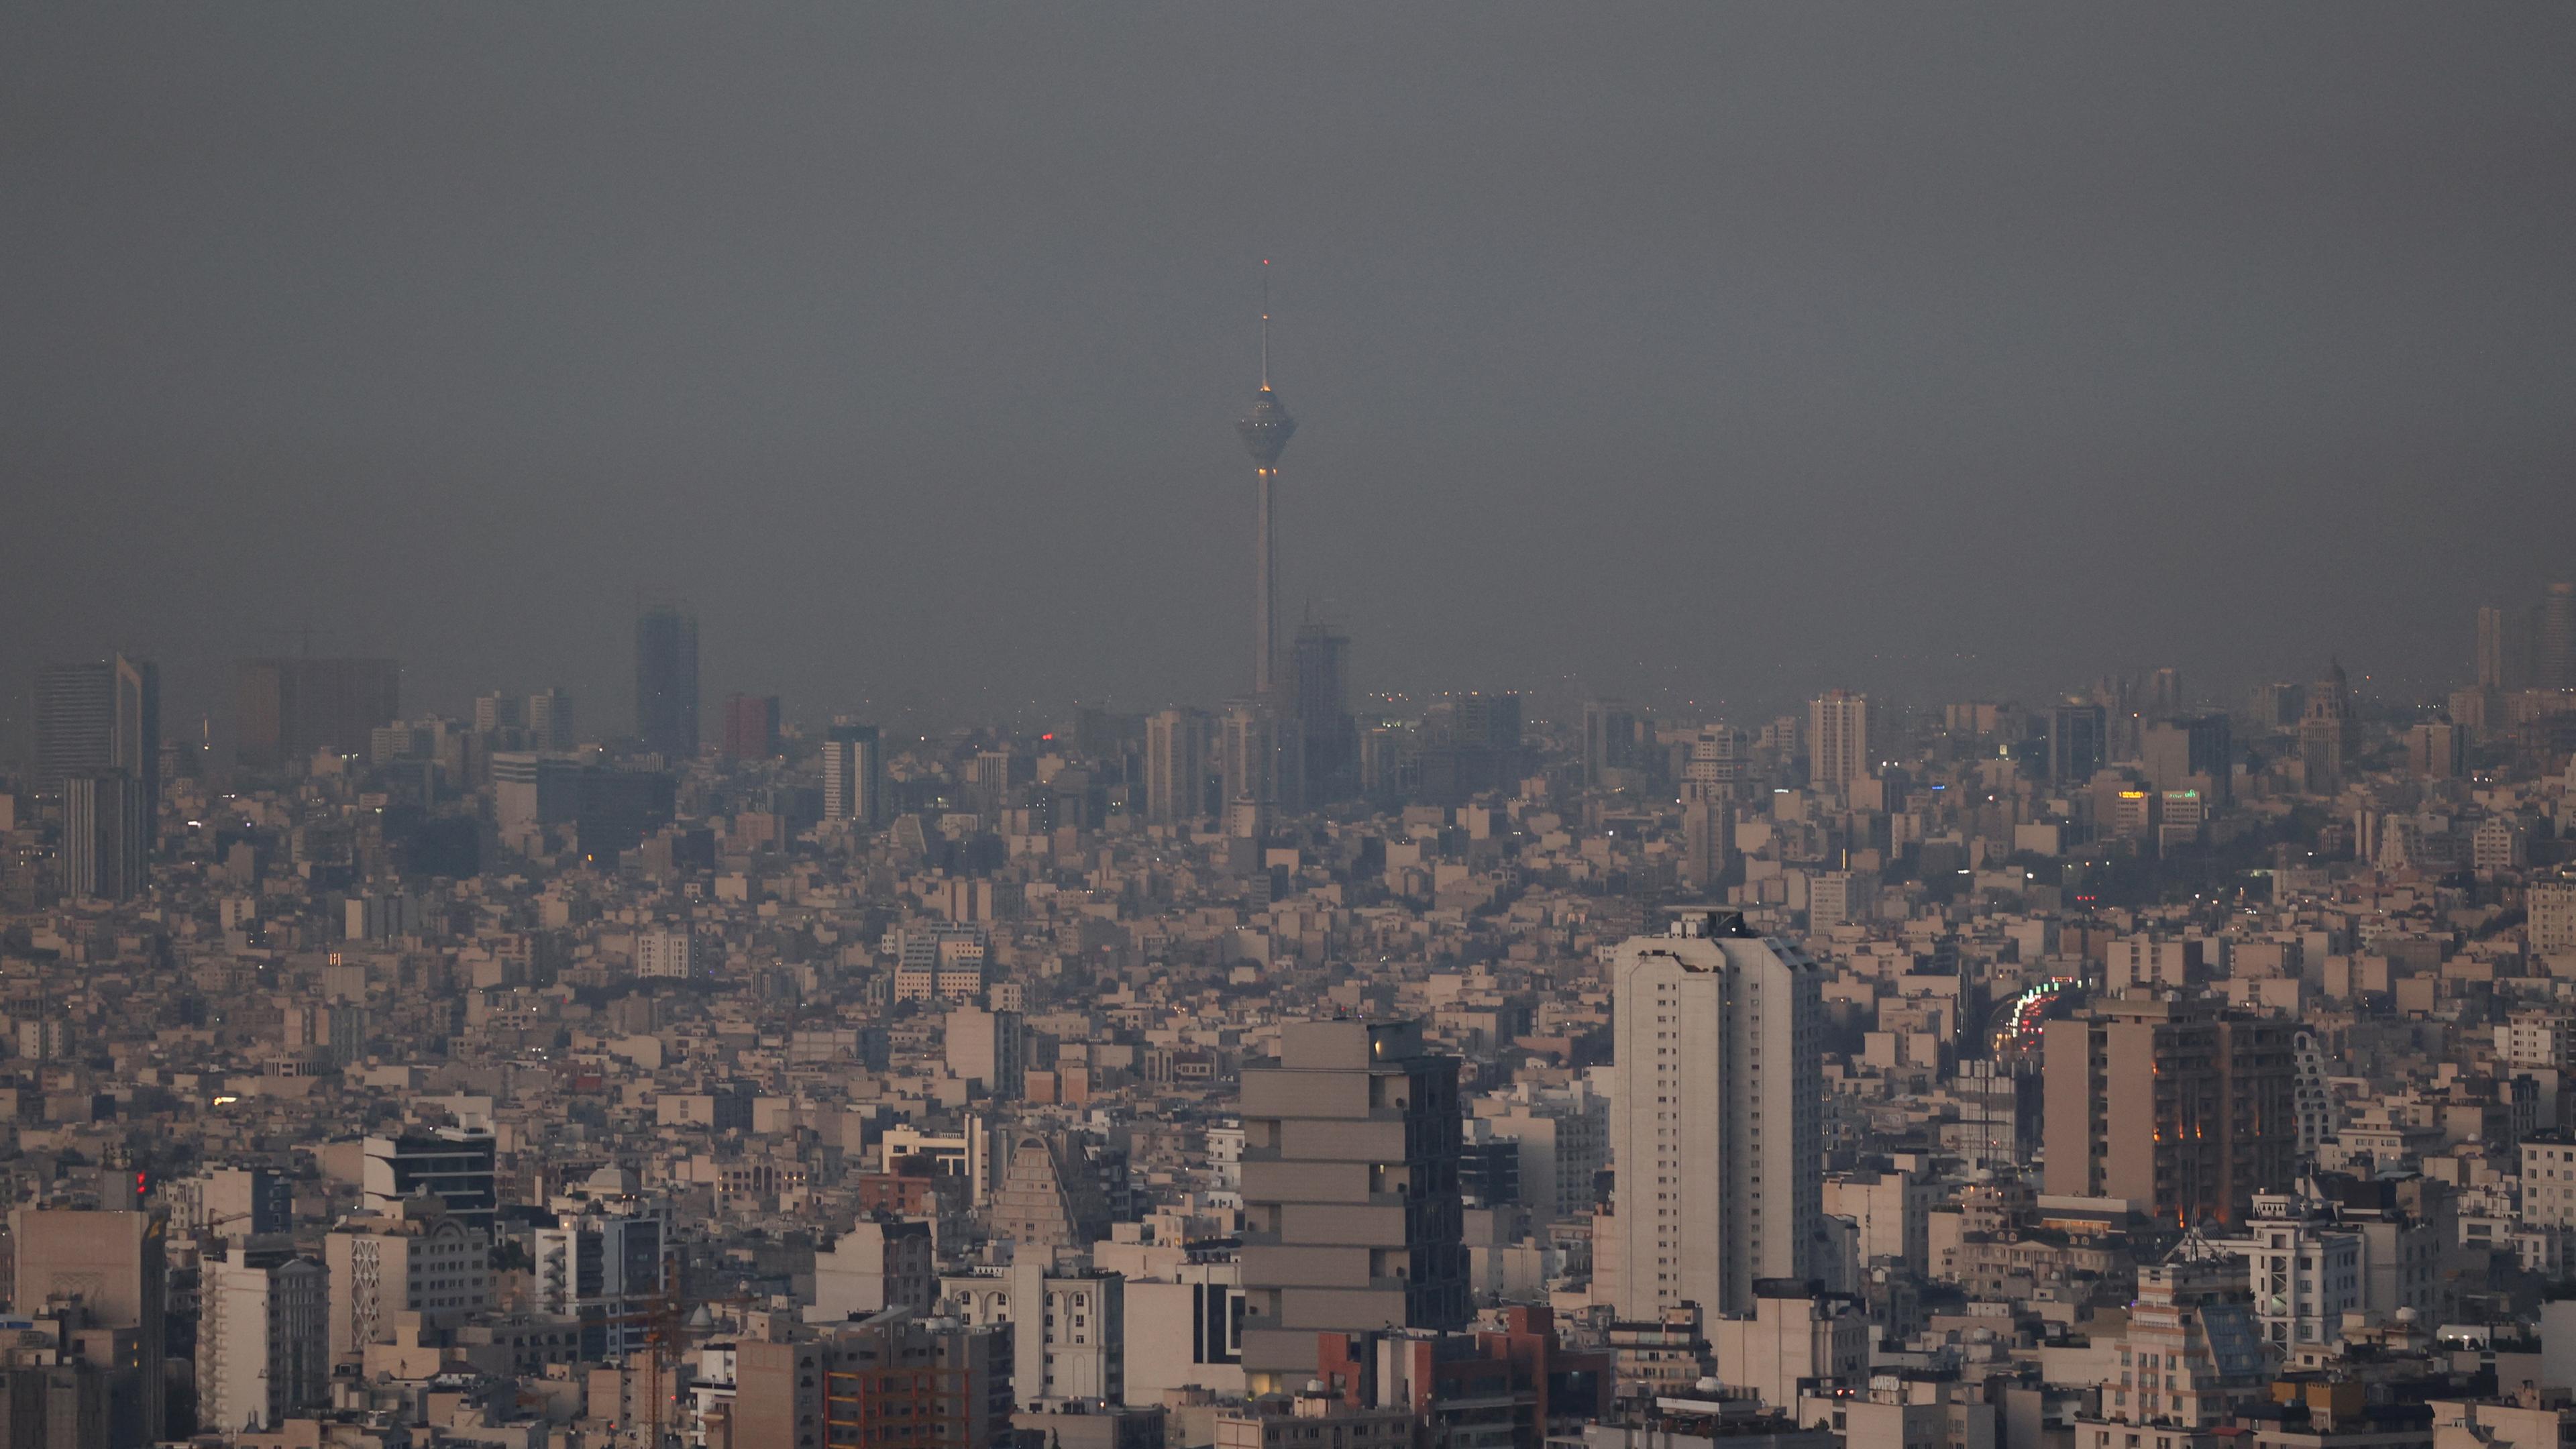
(1715, 1116)
(1838, 740)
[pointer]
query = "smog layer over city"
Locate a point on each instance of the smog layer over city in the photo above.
(1298, 726)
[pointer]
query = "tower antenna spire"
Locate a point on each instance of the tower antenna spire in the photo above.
(1265, 324)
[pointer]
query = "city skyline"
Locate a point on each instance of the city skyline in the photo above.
(2538, 640)
(1901, 775)
(2088, 352)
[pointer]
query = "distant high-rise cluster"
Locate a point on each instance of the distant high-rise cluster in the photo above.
(290, 708)
(98, 749)
(550, 720)
(2532, 646)
(1177, 773)
(100, 715)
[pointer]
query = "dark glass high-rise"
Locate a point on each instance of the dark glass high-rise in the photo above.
(666, 681)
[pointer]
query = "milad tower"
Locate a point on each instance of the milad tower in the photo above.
(1265, 431)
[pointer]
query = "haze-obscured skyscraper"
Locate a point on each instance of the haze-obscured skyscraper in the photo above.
(2492, 671)
(2554, 647)
(1470, 743)
(292, 707)
(1716, 1116)
(2178, 751)
(1263, 763)
(2437, 750)
(494, 713)
(2276, 706)
(106, 835)
(2078, 742)
(104, 714)
(549, 717)
(666, 681)
(1838, 740)
(2164, 693)
(750, 726)
(2326, 731)
(1176, 766)
(1704, 854)
(1714, 771)
(75, 721)
(853, 774)
(1321, 659)
(1611, 740)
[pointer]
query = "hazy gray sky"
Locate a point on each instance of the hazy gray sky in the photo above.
(1733, 350)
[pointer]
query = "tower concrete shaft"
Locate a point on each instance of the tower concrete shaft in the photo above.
(1265, 434)
(1265, 585)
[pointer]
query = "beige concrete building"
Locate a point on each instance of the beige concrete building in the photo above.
(1068, 1327)
(2178, 1107)
(1313, 1421)
(418, 1258)
(2551, 924)
(2191, 1355)
(114, 1263)
(1792, 1342)
(891, 1383)
(1352, 1219)
(880, 1263)
(1563, 1137)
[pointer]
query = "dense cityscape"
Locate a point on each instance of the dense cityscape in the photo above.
(1288, 1074)
(1889, 761)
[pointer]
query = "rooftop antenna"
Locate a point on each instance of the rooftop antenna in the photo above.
(1265, 324)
